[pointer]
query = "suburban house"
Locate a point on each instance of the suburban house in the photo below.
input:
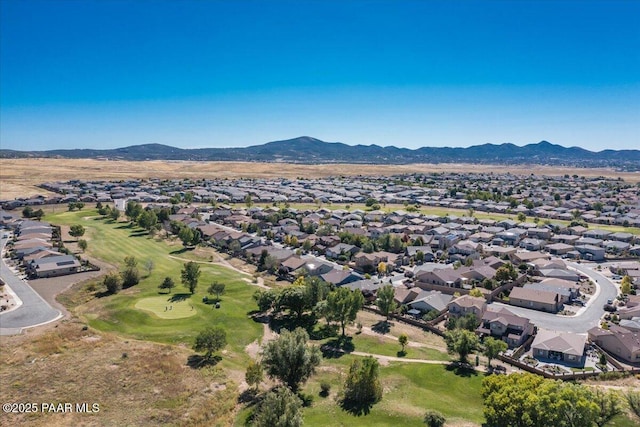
(557, 346)
(504, 325)
(618, 341)
(53, 266)
(535, 299)
(467, 304)
(427, 301)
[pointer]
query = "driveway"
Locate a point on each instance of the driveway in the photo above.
(586, 318)
(34, 310)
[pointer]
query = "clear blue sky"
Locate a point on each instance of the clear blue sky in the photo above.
(104, 73)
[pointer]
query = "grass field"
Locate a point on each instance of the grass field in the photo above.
(408, 391)
(119, 313)
(166, 307)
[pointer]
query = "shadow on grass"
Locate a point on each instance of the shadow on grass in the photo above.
(356, 408)
(180, 251)
(306, 322)
(382, 327)
(197, 361)
(337, 347)
(259, 316)
(462, 369)
(123, 226)
(103, 294)
(250, 396)
(179, 297)
(140, 233)
(401, 353)
(324, 331)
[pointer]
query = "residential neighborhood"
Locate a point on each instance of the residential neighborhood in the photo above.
(440, 266)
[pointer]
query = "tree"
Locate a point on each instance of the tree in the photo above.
(475, 292)
(147, 219)
(382, 268)
(403, 340)
(216, 288)
(609, 406)
(279, 408)
(254, 374)
(461, 341)
(149, 265)
(289, 359)
(76, 230)
(210, 340)
(385, 301)
(343, 305)
(529, 400)
(27, 212)
(82, 244)
(434, 418)
(114, 214)
(133, 210)
(189, 275)
(248, 200)
(294, 298)
(167, 284)
(633, 401)
(316, 290)
(362, 384)
(130, 274)
(186, 235)
(492, 348)
(506, 273)
(625, 285)
(265, 299)
(419, 257)
(113, 283)
(130, 277)
(38, 214)
(522, 217)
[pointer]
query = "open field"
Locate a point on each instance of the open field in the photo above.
(19, 177)
(133, 382)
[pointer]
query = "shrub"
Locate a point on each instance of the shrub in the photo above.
(325, 388)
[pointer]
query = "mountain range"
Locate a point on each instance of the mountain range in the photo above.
(310, 150)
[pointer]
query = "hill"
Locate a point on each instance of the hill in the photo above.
(310, 150)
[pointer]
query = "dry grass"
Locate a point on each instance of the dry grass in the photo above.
(135, 383)
(18, 177)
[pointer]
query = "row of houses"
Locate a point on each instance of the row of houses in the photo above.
(34, 248)
(594, 200)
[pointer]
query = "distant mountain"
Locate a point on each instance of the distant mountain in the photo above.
(306, 149)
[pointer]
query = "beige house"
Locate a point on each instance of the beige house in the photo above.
(467, 304)
(617, 341)
(535, 299)
(562, 347)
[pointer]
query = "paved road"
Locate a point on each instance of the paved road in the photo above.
(585, 319)
(33, 311)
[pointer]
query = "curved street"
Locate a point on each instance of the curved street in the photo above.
(34, 310)
(586, 318)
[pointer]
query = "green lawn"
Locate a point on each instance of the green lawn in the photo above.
(409, 390)
(111, 242)
(167, 307)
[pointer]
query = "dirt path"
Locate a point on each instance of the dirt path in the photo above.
(368, 331)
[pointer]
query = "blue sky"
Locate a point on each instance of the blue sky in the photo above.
(106, 74)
